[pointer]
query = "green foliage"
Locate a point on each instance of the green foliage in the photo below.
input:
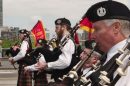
(6, 43)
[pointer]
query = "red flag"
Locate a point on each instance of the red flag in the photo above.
(86, 25)
(76, 38)
(38, 32)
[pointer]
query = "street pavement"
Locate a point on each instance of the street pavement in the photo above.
(7, 65)
(8, 75)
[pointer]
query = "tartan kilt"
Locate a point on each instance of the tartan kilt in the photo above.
(40, 79)
(24, 79)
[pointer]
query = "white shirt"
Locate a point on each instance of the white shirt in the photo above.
(86, 72)
(22, 52)
(64, 59)
(124, 80)
(114, 50)
(32, 67)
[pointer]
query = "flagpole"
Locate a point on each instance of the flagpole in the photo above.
(77, 25)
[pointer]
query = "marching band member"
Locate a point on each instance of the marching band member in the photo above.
(64, 63)
(111, 21)
(40, 78)
(24, 79)
(95, 57)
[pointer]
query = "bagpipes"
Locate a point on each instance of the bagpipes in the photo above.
(84, 79)
(58, 46)
(48, 54)
(109, 70)
(115, 64)
(62, 43)
(69, 79)
(52, 55)
(13, 51)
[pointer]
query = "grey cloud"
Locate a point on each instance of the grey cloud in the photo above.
(48, 10)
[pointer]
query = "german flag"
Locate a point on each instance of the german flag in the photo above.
(86, 25)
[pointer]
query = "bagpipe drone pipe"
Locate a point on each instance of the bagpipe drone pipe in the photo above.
(50, 55)
(68, 79)
(104, 76)
(84, 79)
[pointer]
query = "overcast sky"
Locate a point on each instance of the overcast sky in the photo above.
(25, 13)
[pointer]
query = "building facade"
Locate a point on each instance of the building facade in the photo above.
(1, 13)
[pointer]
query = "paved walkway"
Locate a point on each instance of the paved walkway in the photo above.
(6, 64)
(8, 75)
